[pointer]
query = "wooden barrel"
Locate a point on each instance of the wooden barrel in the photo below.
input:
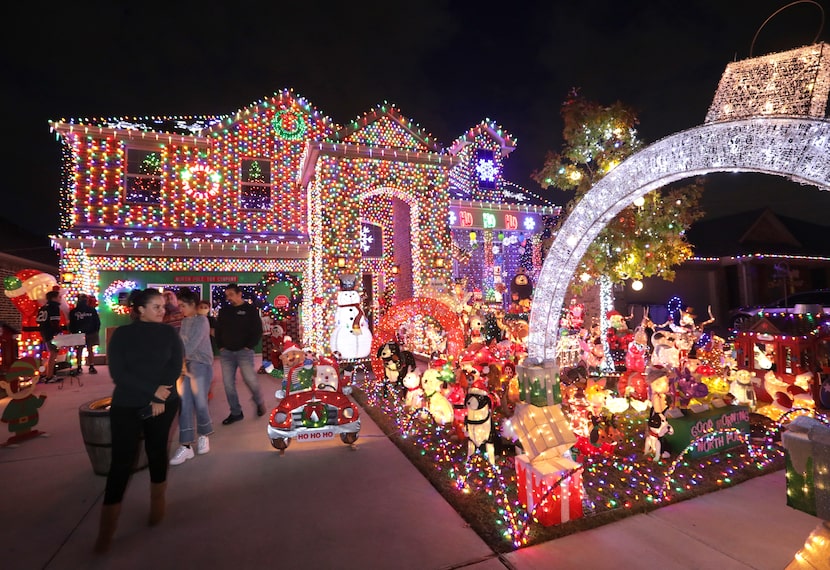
(95, 428)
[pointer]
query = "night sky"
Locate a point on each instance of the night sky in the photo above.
(446, 65)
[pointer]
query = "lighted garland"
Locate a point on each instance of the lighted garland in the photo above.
(111, 295)
(295, 299)
(289, 125)
(212, 179)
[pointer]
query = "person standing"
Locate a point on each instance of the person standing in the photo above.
(49, 324)
(145, 359)
(238, 330)
(172, 313)
(84, 319)
(194, 385)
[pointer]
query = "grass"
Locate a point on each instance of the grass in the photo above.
(616, 486)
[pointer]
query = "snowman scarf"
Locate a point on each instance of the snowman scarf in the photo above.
(356, 322)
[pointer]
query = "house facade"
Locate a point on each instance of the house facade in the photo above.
(281, 200)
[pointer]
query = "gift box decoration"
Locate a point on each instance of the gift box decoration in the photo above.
(807, 451)
(543, 470)
(539, 382)
(542, 430)
(549, 490)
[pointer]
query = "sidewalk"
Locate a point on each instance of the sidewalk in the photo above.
(326, 505)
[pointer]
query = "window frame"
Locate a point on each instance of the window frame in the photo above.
(243, 185)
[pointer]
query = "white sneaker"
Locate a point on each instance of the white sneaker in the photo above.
(202, 445)
(182, 454)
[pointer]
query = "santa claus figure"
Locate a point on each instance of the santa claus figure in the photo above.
(27, 290)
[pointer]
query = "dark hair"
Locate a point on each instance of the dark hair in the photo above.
(203, 302)
(187, 296)
(140, 298)
(233, 287)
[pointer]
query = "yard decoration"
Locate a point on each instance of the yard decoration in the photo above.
(21, 413)
(313, 406)
(550, 482)
(479, 425)
(397, 364)
(658, 429)
(351, 336)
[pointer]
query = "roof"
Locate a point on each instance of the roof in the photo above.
(193, 125)
(759, 231)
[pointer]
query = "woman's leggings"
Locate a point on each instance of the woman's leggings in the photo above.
(127, 428)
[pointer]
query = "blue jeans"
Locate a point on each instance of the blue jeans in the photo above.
(194, 392)
(244, 360)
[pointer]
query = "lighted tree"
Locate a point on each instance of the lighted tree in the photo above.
(255, 173)
(646, 239)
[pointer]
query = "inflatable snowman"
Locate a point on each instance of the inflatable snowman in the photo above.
(351, 336)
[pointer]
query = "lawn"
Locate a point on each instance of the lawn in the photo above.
(617, 485)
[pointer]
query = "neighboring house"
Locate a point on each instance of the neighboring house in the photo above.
(743, 260)
(278, 196)
(22, 249)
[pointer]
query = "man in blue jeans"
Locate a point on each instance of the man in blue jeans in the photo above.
(238, 330)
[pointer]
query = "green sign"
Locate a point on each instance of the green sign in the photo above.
(692, 426)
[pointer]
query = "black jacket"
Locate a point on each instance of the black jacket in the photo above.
(141, 357)
(238, 327)
(84, 319)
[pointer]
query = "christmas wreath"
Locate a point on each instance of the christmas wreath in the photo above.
(280, 308)
(112, 292)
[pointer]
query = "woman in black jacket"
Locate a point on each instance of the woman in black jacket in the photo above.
(145, 359)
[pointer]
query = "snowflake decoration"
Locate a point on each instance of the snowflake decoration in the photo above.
(529, 223)
(366, 239)
(486, 170)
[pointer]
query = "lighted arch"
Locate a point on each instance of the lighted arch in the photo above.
(415, 224)
(401, 312)
(797, 148)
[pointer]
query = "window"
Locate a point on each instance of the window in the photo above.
(255, 187)
(143, 183)
(371, 240)
(486, 169)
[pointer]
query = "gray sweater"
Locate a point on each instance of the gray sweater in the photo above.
(195, 333)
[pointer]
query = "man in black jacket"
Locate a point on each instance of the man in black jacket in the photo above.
(84, 319)
(238, 330)
(49, 322)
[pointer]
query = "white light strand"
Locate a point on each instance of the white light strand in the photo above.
(791, 147)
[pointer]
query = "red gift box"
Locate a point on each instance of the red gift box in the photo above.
(536, 478)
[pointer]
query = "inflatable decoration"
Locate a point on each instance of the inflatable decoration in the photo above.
(27, 290)
(351, 336)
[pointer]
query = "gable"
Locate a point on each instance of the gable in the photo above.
(486, 133)
(769, 229)
(386, 127)
(284, 116)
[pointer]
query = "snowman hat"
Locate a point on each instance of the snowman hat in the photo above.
(288, 345)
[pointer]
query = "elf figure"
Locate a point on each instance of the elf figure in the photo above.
(22, 411)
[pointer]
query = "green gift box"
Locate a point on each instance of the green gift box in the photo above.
(539, 382)
(807, 453)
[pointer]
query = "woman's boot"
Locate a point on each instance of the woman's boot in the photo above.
(157, 502)
(106, 530)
